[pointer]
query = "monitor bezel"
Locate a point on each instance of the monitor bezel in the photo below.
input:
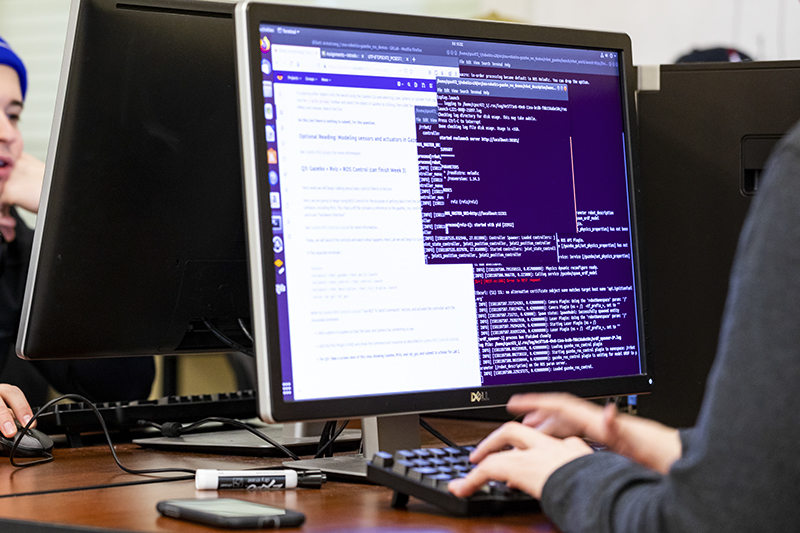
(249, 15)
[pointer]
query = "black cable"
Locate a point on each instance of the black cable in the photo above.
(245, 330)
(99, 487)
(427, 427)
(49, 457)
(174, 429)
(227, 340)
(324, 438)
(331, 439)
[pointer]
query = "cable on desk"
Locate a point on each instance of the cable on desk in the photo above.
(49, 457)
(168, 429)
(99, 487)
(176, 429)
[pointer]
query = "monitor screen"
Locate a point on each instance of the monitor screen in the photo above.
(140, 235)
(440, 213)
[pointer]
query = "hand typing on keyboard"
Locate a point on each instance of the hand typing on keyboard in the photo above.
(525, 455)
(520, 456)
(510, 467)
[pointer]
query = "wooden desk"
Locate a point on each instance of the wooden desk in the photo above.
(336, 507)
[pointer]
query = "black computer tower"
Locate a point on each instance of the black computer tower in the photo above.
(705, 134)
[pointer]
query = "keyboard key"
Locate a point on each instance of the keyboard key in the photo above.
(383, 459)
(435, 479)
(417, 474)
(402, 466)
(404, 454)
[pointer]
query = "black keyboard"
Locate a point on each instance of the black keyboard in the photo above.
(425, 473)
(73, 419)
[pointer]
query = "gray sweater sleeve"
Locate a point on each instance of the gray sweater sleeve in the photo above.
(740, 465)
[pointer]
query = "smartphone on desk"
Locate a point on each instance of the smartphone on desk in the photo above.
(230, 513)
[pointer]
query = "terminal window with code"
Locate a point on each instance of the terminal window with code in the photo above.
(457, 206)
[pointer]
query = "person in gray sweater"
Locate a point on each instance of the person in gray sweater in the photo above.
(738, 469)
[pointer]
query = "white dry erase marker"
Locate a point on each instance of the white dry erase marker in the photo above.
(257, 479)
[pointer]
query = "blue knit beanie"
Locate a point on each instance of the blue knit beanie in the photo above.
(8, 57)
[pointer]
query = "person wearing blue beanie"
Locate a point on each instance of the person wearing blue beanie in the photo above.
(20, 178)
(21, 175)
(8, 57)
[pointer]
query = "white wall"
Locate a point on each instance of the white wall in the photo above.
(660, 30)
(36, 30)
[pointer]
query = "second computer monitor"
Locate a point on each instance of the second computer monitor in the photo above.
(140, 235)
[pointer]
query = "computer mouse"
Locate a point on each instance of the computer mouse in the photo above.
(34, 443)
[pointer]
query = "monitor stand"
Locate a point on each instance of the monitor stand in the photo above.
(383, 433)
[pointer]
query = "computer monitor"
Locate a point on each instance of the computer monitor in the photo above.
(140, 235)
(440, 214)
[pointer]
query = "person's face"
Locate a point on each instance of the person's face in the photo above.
(10, 109)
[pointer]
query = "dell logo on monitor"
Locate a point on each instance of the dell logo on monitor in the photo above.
(479, 396)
